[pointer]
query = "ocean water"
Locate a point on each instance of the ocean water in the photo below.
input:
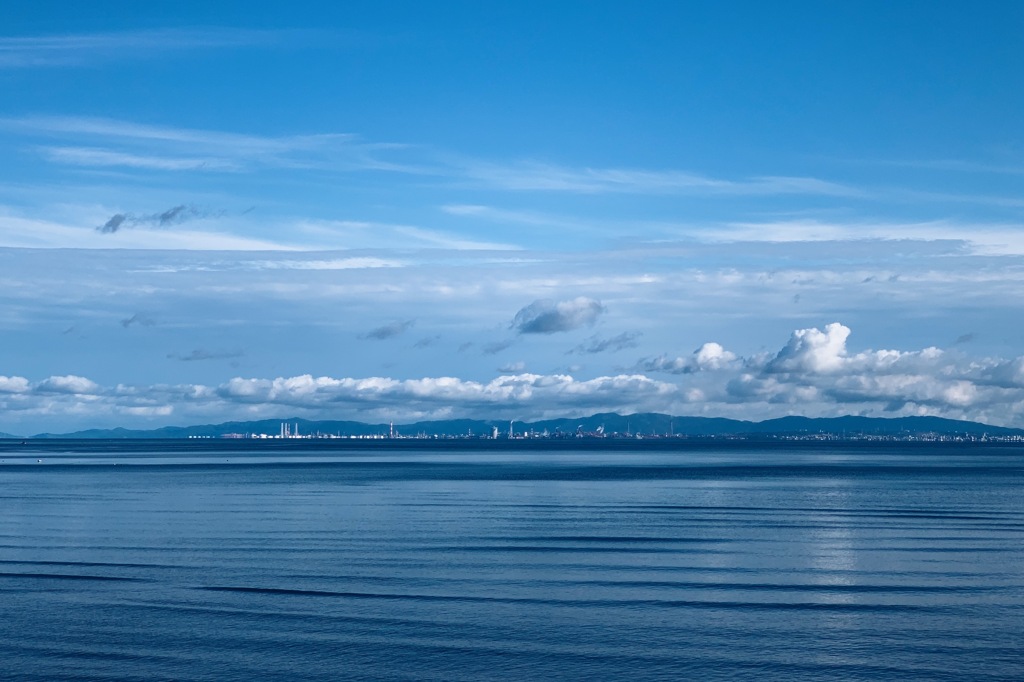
(322, 561)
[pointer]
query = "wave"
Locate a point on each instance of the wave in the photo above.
(627, 603)
(67, 576)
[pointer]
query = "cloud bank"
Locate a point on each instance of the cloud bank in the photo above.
(813, 374)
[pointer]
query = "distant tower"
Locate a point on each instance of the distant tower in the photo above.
(391, 430)
(511, 433)
(494, 433)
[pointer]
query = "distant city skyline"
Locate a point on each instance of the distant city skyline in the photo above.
(407, 211)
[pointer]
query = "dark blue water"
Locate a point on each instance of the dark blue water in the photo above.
(184, 561)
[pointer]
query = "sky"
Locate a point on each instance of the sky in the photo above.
(402, 210)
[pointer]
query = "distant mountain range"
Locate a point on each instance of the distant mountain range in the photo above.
(608, 423)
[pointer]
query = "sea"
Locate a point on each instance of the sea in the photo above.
(519, 560)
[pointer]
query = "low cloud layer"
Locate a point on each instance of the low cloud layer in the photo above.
(814, 373)
(548, 317)
(510, 396)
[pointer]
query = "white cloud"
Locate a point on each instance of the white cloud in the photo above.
(87, 48)
(816, 374)
(710, 356)
(982, 238)
(353, 263)
(810, 350)
(114, 129)
(587, 230)
(355, 234)
(815, 368)
(83, 156)
(13, 384)
(442, 240)
(514, 395)
(156, 411)
(534, 392)
(68, 384)
(554, 178)
(108, 143)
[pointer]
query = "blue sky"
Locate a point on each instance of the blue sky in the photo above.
(405, 210)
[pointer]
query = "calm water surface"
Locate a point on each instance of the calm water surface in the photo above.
(208, 560)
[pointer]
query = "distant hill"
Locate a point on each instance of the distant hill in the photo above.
(8, 435)
(610, 423)
(879, 426)
(267, 426)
